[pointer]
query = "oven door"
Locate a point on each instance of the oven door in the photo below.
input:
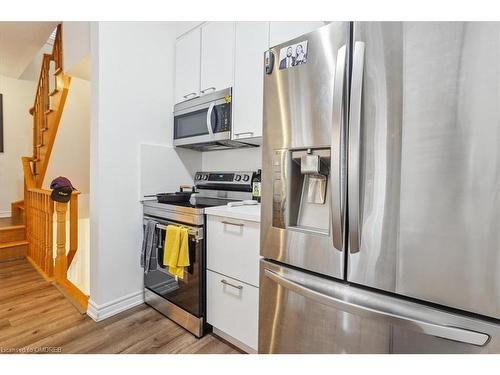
(188, 292)
(209, 121)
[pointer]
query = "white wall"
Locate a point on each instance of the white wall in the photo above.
(71, 152)
(164, 168)
(18, 97)
(244, 159)
(132, 99)
(76, 42)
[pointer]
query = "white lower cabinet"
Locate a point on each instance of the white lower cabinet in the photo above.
(233, 248)
(233, 256)
(233, 307)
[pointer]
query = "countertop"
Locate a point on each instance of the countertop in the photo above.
(250, 213)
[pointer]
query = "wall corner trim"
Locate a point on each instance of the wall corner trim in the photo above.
(107, 310)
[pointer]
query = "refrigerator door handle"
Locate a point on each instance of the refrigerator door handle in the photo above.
(446, 332)
(336, 149)
(354, 167)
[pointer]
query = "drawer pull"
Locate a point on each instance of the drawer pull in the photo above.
(235, 224)
(234, 286)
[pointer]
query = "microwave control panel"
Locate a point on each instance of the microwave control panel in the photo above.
(223, 119)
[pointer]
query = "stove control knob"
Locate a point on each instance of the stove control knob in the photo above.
(237, 177)
(246, 178)
(198, 176)
(205, 177)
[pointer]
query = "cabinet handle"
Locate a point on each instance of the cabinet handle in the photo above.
(238, 135)
(188, 95)
(207, 89)
(235, 224)
(225, 282)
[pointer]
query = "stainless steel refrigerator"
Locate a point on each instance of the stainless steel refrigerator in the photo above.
(381, 190)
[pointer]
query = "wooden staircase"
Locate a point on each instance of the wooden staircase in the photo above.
(37, 218)
(52, 91)
(13, 243)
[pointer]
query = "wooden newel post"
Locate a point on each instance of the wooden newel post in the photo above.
(61, 264)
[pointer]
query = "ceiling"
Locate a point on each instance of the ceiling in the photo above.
(19, 44)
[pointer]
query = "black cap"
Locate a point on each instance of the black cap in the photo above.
(61, 189)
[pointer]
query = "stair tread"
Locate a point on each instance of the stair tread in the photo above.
(5, 245)
(9, 223)
(13, 227)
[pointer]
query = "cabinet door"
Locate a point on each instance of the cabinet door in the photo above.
(233, 307)
(217, 56)
(252, 39)
(233, 248)
(280, 32)
(187, 66)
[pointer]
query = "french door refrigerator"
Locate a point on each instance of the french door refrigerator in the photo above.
(381, 190)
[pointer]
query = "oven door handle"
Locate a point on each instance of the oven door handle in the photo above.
(209, 118)
(196, 232)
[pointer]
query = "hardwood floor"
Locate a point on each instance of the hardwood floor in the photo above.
(35, 317)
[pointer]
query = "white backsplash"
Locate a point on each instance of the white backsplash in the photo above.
(164, 168)
(242, 159)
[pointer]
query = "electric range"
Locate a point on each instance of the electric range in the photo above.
(183, 300)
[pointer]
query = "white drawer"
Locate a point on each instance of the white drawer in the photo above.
(233, 248)
(235, 311)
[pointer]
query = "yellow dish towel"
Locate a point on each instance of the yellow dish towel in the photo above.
(176, 250)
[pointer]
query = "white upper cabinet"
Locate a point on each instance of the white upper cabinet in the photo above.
(217, 56)
(252, 40)
(280, 32)
(187, 66)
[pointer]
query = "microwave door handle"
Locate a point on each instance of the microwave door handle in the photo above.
(354, 174)
(337, 159)
(209, 118)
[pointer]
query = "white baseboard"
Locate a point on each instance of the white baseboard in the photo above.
(5, 214)
(101, 312)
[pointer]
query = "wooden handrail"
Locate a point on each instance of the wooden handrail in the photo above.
(45, 124)
(28, 176)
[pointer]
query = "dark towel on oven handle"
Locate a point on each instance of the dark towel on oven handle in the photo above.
(149, 243)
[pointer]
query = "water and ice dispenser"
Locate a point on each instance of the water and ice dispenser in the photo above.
(301, 192)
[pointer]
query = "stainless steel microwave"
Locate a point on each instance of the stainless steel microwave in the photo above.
(205, 123)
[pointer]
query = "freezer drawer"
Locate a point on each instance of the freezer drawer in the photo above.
(303, 313)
